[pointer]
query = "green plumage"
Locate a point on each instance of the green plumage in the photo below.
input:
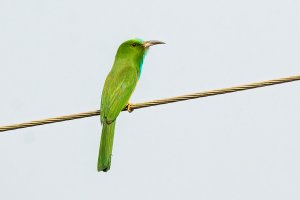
(119, 85)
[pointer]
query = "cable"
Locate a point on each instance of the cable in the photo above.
(132, 107)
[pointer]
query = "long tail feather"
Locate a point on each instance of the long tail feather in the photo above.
(106, 146)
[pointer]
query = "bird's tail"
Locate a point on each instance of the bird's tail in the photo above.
(106, 145)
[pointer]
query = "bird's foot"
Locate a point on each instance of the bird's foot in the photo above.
(129, 109)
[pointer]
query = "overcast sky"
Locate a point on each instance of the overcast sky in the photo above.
(54, 58)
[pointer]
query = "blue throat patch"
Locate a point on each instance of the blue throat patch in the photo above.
(141, 64)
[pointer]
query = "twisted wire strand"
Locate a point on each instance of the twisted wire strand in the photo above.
(132, 107)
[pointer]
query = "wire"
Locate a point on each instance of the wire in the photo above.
(132, 107)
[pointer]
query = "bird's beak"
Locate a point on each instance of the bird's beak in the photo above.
(151, 43)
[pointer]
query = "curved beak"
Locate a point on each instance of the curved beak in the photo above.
(149, 43)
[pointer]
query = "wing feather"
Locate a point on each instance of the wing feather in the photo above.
(118, 88)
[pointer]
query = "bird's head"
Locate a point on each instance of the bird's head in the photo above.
(135, 49)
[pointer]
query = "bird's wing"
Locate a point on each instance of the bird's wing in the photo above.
(118, 87)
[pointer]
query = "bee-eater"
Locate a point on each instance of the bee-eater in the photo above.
(118, 87)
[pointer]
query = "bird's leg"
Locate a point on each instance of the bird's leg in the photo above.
(129, 107)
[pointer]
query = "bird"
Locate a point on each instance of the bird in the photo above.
(118, 88)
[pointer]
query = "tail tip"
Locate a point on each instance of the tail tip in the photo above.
(104, 169)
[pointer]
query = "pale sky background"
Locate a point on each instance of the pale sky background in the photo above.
(55, 55)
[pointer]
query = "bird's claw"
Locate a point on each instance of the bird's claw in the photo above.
(129, 109)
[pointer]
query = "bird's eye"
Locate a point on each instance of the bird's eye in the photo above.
(134, 45)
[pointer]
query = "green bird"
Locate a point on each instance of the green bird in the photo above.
(118, 87)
